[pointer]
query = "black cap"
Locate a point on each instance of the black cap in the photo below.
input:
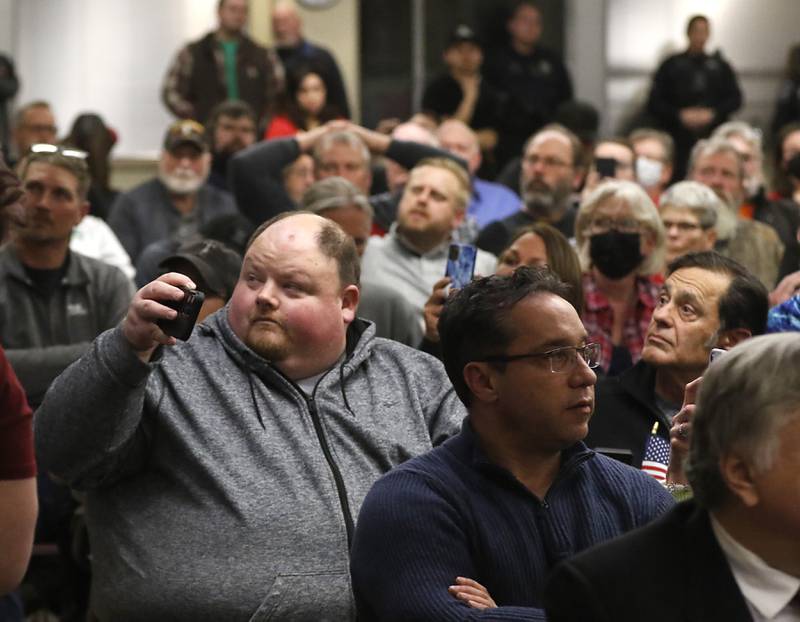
(463, 34)
(216, 264)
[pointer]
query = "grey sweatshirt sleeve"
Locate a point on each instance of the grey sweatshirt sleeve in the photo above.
(89, 429)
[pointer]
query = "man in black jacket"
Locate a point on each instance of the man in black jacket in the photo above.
(224, 64)
(707, 300)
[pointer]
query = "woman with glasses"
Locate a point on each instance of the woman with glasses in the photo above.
(689, 213)
(620, 242)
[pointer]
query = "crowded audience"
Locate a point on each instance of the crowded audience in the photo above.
(484, 361)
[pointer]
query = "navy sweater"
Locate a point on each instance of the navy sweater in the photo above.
(452, 513)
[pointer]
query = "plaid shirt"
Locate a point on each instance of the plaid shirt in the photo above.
(598, 317)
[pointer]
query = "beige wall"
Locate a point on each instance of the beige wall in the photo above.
(336, 29)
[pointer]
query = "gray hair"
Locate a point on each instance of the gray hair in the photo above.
(342, 137)
(739, 128)
(746, 399)
(643, 210)
(697, 198)
(713, 146)
(332, 193)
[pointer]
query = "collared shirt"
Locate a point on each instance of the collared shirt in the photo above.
(767, 591)
(491, 201)
(598, 317)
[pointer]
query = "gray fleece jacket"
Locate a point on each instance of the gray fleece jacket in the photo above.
(216, 489)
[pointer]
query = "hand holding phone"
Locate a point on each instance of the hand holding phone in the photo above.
(188, 309)
(461, 264)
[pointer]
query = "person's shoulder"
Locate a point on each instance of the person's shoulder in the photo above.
(633, 486)
(144, 191)
(217, 196)
(412, 363)
(97, 271)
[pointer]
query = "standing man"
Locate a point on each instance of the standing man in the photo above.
(262, 433)
(295, 51)
(531, 80)
(732, 552)
(552, 169)
(178, 201)
(517, 490)
(693, 92)
(224, 64)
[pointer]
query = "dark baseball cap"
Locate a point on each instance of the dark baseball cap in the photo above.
(463, 34)
(185, 132)
(217, 265)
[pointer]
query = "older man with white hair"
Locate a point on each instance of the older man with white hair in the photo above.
(718, 165)
(732, 552)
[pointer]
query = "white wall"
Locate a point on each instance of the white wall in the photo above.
(107, 57)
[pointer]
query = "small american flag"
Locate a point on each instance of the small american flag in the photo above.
(656, 456)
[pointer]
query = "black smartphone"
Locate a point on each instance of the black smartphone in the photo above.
(606, 167)
(461, 264)
(188, 309)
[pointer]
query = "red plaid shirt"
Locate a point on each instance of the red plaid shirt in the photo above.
(598, 318)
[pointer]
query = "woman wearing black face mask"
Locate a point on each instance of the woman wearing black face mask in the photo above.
(620, 241)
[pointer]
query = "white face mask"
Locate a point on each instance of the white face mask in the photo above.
(648, 172)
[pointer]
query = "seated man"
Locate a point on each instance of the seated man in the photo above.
(654, 151)
(718, 165)
(224, 473)
(733, 552)
(552, 168)
(516, 491)
(175, 203)
(706, 301)
(413, 256)
(338, 199)
(490, 201)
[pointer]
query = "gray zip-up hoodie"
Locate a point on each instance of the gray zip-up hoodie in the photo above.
(217, 490)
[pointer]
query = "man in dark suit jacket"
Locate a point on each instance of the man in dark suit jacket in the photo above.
(732, 553)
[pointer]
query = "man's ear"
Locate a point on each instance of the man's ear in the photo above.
(83, 211)
(479, 379)
(350, 298)
(711, 237)
(578, 177)
(729, 338)
(738, 477)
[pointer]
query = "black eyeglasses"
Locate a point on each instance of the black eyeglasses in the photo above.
(67, 152)
(561, 359)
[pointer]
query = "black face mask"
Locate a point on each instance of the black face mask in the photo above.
(615, 254)
(793, 166)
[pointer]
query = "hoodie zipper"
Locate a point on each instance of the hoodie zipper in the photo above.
(337, 474)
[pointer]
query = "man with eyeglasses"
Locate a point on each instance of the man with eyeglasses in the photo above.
(178, 201)
(707, 301)
(551, 171)
(480, 521)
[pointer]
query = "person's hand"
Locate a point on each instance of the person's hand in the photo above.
(375, 141)
(433, 308)
(696, 117)
(681, 432)
(307, 140)
(386, 126)
(473, 593)
(470, 85)
(786, 289)
(140, 327)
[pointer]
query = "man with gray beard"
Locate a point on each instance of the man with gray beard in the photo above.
(552, 169)
(178, 201)
(717, 164)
